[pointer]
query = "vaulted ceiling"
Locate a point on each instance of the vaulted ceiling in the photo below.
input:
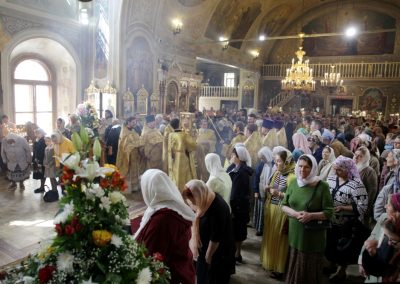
(242, 21)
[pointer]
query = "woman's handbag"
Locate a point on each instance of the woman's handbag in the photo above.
(316, 224)
(37, 171)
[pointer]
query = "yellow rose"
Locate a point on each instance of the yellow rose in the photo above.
(101, 237)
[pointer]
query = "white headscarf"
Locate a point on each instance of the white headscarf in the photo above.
(160, 192)
(312, 177)
(243, 154)
(365, 160)
(266, 172)
(278, 149)
(331, 155)
(214, 167)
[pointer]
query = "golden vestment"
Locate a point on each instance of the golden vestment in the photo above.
(128, 157)
(153, 148)
(168, 129)
(253, 145)
(239, 138)
(270, 139)
(281, 136)
(180, 160)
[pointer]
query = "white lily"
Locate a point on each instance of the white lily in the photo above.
(70, 160)
(91, 170)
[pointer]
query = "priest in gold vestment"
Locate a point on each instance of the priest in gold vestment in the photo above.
(167, 131)
(239, 137)
(180, 162)
(281, 133)
(206, 141)
(253, 143)
(152, 141)
(270, 138)
(128, 157)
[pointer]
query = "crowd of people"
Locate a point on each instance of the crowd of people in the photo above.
(312, 187)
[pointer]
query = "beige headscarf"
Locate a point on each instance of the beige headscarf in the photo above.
(201, 197)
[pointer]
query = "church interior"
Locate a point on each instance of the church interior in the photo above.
(330, 58)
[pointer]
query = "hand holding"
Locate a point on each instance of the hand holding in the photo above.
(338, 208)
(371, 246)
(304, 217)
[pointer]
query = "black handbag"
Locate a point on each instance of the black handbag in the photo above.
(316, 224)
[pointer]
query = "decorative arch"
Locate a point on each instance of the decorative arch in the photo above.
(6, 63)
(172, 95)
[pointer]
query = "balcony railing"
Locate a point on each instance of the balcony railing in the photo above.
(219, 91)
(360, 71)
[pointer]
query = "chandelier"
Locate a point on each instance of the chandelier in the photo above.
(332, 79)
(299, 75)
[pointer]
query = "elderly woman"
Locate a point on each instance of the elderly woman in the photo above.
(219, 181)
(16, 153)
(368, 177)
(262, 177)
(39, 147)
(166, 225)
(212, 241)
(306, 200)
(393, 161)
(240, 172)
(274, 246)
(350, 201)
(314, 144)
(325, 165)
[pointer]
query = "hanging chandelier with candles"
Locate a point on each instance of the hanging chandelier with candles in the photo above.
(299, 75)
(332, 79)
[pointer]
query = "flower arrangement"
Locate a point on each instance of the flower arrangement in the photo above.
(92, 244)
(88, 116)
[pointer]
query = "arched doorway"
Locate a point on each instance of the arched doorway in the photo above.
(172, 95)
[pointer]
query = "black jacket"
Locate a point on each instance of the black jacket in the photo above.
(240, 182)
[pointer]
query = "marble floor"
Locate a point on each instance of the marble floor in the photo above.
(25, 221)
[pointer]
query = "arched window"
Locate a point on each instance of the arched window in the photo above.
(33, 100)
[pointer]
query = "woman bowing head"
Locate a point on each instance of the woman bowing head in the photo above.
(166, 225)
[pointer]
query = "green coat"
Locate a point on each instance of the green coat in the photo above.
(297, 198)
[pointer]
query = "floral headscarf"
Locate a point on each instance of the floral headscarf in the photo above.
(312, 177)
(348, 165)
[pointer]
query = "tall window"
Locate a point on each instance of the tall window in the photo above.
(229, 79)
(33, 94)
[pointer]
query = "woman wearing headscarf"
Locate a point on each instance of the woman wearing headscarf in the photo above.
(274, 246)
(305, 200)
(39, 147)
(369, 179)
(16, 153)
(240, 172)
(325, 165)
(60, 123)
(350, 201)
(300, 142)
(391, 188)
(219, 181)
(262, 177)
(212, 241)
(166, 225)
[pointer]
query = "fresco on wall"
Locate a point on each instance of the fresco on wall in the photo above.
(139, 70)
(273, 21)
(364, 44)
(233, 19)
(372, 100)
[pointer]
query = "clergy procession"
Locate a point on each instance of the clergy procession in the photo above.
(321, 193)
